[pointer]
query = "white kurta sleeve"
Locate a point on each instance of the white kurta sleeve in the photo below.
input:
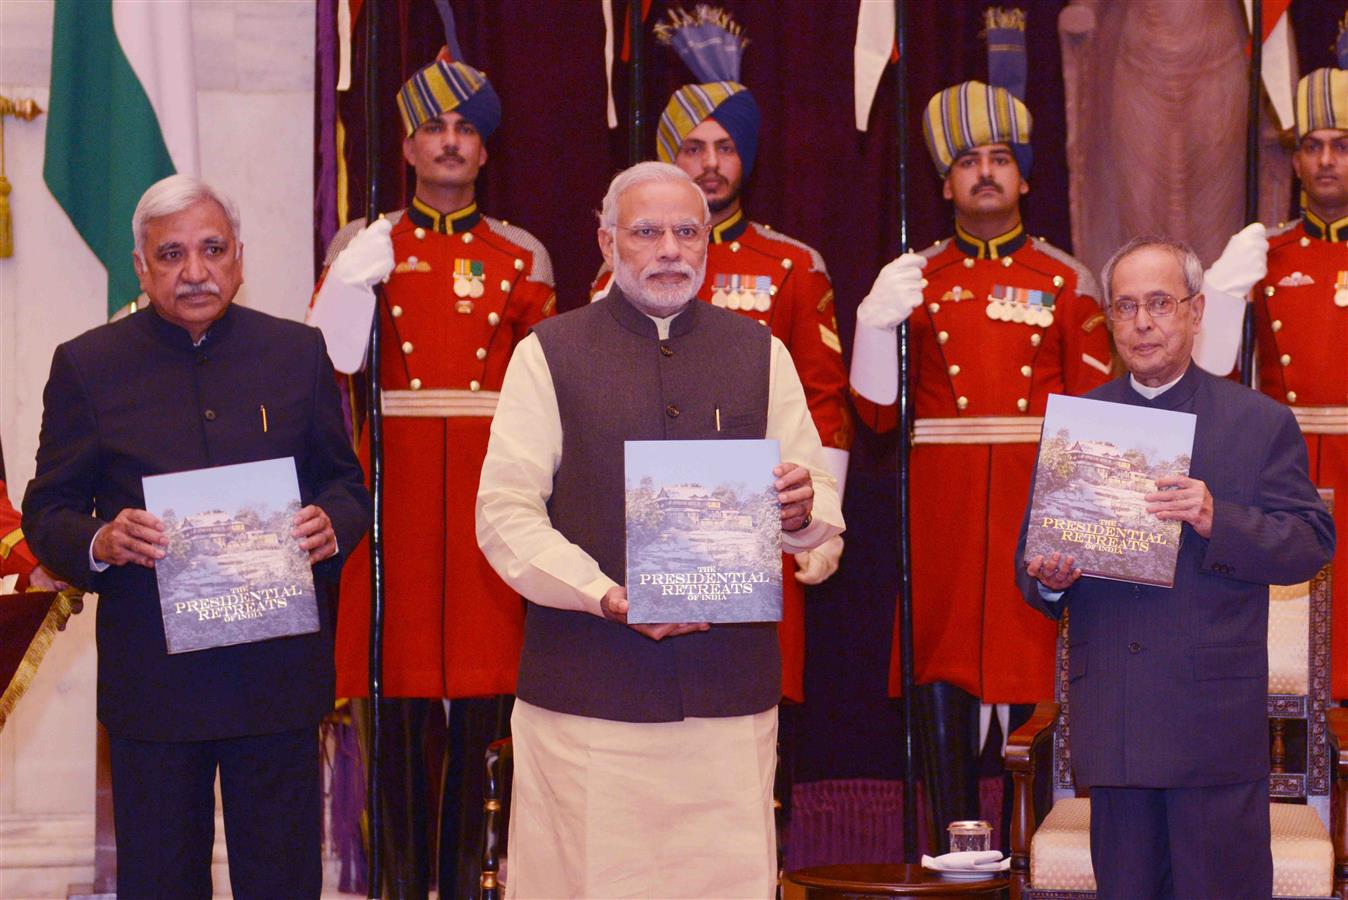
(513, 527)
(790, 423)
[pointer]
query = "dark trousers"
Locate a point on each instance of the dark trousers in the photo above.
(1210, 842)
(163, 795)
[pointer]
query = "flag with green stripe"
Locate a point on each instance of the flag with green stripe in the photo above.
(121, 116)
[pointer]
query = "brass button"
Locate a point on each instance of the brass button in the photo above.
(519, 265)
(953, 370)
(786, 264)
(396, 311)
(1026, 371)
(1276, 325)
(210, 415)
(415, 384)
(467, 237)
(407, 346)
(672, 411)
(493, 319)
(1270, 291)
(924, 282)
(1058, 281)
(420, 233)
(505, 285)
(1006, 262)
(1036, 339)
(1022, 404)
(412, 261)
(772, 291)
(666, 350)
(1305, 241)
(474, 385)
(934, 307)
(942, 337)
(481, 353)
(1291, 396)
(1285, 359)
(968, 262)
(962, 402)
(734, 246)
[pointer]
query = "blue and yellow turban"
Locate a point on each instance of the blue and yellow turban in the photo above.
(729, 103)
(972, 114)
(446, 86)
(1322, 101)
(712, 46)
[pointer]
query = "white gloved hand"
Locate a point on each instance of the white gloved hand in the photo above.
(1242, 263)
(367, 259)
(818, 564)
(896, 293)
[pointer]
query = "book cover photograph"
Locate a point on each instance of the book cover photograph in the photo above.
(704, 532)
(232, 573)
(1097, 461)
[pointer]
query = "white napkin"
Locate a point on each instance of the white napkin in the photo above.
(968, 861)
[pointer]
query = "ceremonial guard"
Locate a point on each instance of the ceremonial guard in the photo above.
(1301, 311)
(998, 322)
(462, 290)
(710, 130)
(15, 557)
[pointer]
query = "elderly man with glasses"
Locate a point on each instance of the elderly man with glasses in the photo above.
(644, 754)
(1168, 685)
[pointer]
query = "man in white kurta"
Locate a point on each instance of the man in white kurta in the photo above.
(644, 754)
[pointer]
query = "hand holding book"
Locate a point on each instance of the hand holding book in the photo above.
(1056, 573)
(135, 536)
(1182, 499)
(614, 607)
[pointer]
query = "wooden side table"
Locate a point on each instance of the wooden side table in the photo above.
(884, 880)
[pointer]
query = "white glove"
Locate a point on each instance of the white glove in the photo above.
(818, 564)
(896, 293)
(367, 259)
(1242, 263)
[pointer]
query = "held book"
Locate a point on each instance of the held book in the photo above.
(1097, 460)
(704, 531)
(233, 573)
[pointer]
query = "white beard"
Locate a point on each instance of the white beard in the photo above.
(654, 298)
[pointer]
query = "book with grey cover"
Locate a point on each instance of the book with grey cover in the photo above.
(232, 573)
(704, 531)
(1097, 461)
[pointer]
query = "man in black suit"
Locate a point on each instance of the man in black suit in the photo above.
(1168, 685)
(188, 383)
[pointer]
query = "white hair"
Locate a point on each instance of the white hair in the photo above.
(1191, 268)
(173, 195)
(643, 173)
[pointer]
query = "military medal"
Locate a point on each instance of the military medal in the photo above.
(468, 278)
(762, 294)
(1341, 290)
(718, 294)
(732, 296)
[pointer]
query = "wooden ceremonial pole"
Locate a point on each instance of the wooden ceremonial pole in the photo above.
(375, 424)
(1252, 172)
(905, 433)
(636, 71)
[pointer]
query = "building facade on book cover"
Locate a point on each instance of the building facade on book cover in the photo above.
(704, 532)
(1097, 463)
(232, 572)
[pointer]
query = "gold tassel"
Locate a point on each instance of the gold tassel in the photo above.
(6, 222)
(702, 14)
(57, 614)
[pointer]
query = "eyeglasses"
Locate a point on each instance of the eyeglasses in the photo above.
(1158, 306)
(646, 234)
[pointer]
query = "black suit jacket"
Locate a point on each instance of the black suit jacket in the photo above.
(136, 398)
(1168, 686)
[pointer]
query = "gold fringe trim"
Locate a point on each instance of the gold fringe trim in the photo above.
(60, 611)
(702, 14)
(997, 17)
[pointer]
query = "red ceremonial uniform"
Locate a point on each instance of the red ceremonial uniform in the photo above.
(15, 557)
(465, 290)
(1301, 326)
(1004, 324)
(782, 283)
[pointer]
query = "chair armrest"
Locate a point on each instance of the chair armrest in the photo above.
(1023, 749)
(1337, 719)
